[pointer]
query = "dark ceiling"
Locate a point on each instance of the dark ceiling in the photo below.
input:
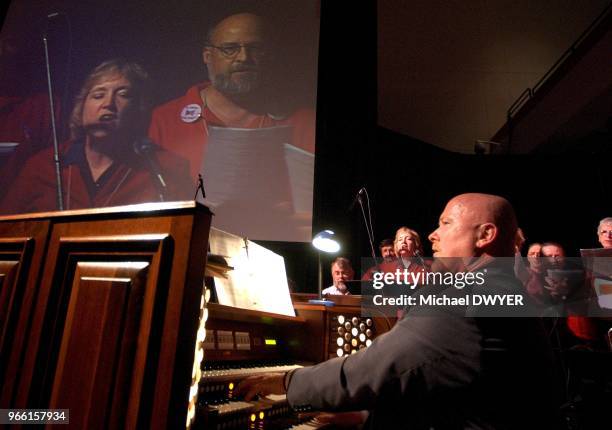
(449, 70)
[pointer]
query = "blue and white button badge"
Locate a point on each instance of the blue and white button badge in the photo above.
(191, 113)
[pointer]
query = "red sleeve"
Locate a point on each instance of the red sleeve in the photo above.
(304, 124)
(27, 193)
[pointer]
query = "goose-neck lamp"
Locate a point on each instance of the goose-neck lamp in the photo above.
(324, 241)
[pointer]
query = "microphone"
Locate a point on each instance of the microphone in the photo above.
(146, 149)
(357, 199)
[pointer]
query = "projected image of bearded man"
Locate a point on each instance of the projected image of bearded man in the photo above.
(237, 52)
(235, 57)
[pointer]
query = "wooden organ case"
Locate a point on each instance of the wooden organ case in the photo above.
(103, 312)
(100, 312)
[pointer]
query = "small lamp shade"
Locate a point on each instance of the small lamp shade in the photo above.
(325, 241)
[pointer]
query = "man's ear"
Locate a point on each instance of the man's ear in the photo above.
(486, 235)
(206, 55)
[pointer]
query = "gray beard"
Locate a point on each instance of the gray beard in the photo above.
(225, 85)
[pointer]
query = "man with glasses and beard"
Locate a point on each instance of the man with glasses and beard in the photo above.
(237, 54)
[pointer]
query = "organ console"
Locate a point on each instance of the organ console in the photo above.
(242, 342)
(103, 312)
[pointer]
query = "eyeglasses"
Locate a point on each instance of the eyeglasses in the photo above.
(231, 50)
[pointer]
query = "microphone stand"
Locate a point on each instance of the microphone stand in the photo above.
(368, 223)
(419, 258)
(56, 159)
(144, 148)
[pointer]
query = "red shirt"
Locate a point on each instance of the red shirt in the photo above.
(184, 131)
(127, 181)
(25, 120)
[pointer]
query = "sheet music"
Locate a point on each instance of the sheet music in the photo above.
(603, 290)
(598, 263)
(300, 164)
(258, 281)
(258, 184)
(8, 147)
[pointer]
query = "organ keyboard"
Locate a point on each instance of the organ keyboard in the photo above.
(241, 343)
(221, 410)
(224, 373)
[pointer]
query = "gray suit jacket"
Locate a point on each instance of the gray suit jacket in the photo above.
(442, 370)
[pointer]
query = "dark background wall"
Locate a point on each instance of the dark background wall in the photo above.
(557, 196)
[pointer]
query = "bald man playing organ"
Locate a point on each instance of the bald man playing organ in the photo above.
(440, 369)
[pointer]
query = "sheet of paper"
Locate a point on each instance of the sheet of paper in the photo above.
(603, 289)
(7, 148)
(598, 264)
(258, 281)
(300, 165)
(258, 184)
(598, 261)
